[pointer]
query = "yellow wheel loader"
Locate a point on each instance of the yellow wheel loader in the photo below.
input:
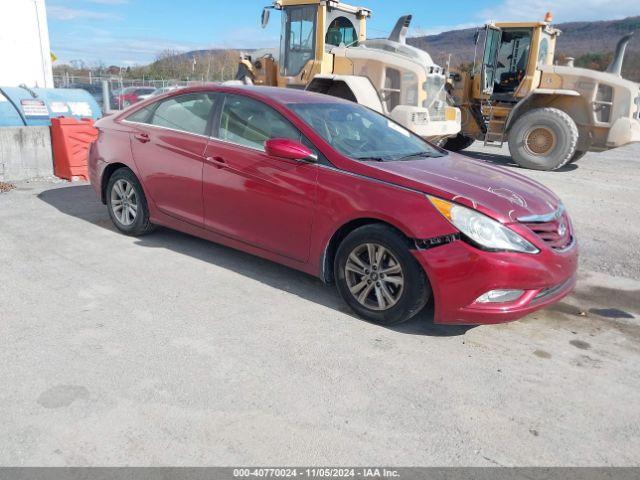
(324, 48)
(550, 115)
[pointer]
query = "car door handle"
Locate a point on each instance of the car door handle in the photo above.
(142, 137)
(217, 162)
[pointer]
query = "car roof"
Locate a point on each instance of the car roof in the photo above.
(283, 96)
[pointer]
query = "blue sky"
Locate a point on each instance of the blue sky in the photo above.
(127, 32)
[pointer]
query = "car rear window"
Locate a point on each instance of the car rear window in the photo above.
(189, 113)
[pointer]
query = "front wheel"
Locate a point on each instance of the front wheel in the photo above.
(457, 143)
(543, 139)
(378, 277)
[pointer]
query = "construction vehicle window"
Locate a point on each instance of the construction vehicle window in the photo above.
(543, 51)
(513, 58)
(341, 32)
(391, 91)
(188, 113)
(250, 123)
(299, 39)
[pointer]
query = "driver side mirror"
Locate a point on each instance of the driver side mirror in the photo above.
(289, 149)
(265, 17)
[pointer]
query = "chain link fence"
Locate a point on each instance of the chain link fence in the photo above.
(114, 93)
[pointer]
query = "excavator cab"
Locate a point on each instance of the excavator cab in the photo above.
(309, 31)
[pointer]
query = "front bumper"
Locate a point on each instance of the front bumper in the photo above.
(623, 131)
(460, 273)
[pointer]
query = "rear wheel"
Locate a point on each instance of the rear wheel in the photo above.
(543, 139)
(457, 143)
(378, 277)
(127, 204)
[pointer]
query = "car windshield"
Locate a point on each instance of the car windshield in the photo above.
(362, 134)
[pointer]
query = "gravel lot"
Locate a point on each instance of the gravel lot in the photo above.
(169, 350)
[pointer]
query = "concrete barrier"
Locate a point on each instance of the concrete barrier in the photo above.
(25, 153)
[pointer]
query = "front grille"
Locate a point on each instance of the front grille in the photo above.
(436, 112)
(556, 233)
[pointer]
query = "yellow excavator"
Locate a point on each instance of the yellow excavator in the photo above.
(549, 114)
(324, 48)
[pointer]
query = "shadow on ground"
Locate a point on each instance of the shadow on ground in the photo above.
(80, 201)
(506, 161)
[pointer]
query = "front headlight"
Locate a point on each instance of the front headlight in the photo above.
(481, 229)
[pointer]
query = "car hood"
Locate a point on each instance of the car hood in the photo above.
(495, 191)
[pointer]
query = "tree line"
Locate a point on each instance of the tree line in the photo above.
(206, 65)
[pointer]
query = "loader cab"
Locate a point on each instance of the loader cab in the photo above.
(309, 31)
(507, 69)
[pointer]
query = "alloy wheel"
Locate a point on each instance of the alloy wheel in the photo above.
(374, 276)
(124, 202)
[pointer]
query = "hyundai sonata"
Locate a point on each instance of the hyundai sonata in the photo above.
(336, 190)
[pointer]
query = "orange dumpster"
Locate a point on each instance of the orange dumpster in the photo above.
(71, 139)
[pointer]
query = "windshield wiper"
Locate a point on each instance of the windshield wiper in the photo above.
(373, 159)
(415, 155)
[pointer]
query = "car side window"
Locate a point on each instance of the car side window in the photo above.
(188, 113)
(247, 122)
(142, 115)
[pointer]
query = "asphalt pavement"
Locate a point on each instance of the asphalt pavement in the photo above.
(169, 350)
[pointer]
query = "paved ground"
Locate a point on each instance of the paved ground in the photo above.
(172, 350)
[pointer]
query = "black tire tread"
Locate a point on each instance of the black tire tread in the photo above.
(420, 292)
(142, 227)
(458, 143)
(550, 112)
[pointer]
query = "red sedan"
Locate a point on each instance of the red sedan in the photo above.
(131, 95)
(336, 190)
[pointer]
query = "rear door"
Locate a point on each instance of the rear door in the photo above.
(168, 148)
(264, 201)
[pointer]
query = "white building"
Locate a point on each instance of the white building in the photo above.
(25, 53)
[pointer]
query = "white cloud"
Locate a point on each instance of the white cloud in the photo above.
(563, 10)
(532, 10)
(418, 31)
(58, 12)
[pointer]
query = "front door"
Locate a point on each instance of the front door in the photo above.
(169, 150)
(264, 201)
(489, 59)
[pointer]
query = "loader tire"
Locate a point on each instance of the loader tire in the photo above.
(543, 139)
(457, 143)
(577, 156)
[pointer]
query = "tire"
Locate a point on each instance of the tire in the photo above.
(543, 139)
(457, 143)
(577, 156)
(131, 215)
(404, 287)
